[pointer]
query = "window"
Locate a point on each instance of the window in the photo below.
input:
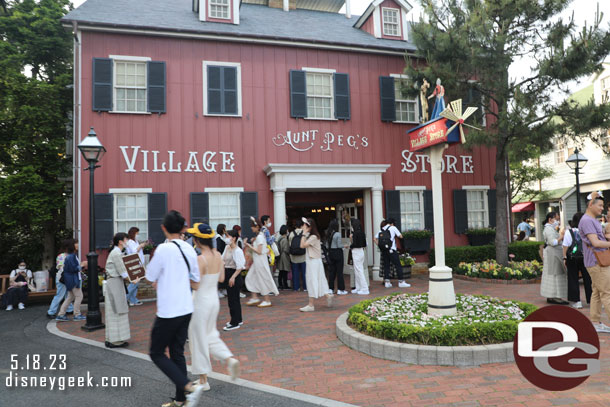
(406, 109)
(219, 9)
(131, 210)
(391, 22)
(412, 210)
(224, 208)
(130, 86)
(477, 209)
(605, 89)
(221, 88)
(560, 152)
(320, 95)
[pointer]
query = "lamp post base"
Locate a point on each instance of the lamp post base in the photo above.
(94, 316)
(441, 294)
(94, 324)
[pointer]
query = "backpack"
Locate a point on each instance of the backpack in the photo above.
(575, 249)
(385, 240)
(295, 245)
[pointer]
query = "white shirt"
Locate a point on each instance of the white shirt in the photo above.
(169, 270)
(234, 258)
(567, 238)
(28, 273)
(394, 232)
(132, 248)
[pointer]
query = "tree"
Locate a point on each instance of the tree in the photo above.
(35, 106)
(471, 44)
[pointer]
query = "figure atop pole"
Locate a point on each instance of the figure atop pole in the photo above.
(444, 128)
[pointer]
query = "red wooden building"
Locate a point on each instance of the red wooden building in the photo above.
(224, 109)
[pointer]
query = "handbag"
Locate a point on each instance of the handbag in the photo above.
(275, 250)
(350, 259)
(602, 257)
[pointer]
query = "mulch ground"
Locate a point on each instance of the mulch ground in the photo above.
(283, 347)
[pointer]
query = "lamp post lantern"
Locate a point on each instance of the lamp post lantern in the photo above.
(92, 150)
(577, 162)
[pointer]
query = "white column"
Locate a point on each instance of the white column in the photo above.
(537, 222)
(441, 294)
(377, 218)
(369, 229)
(286, 5)
(279, 207)
(348, 9)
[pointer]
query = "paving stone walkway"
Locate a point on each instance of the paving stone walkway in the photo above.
(283, 347)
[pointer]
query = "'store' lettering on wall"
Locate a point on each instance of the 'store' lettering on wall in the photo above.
(148, 161)
(414, 162)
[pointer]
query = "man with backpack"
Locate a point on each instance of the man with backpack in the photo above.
(386, 241)
(574, 259)
(297, 257)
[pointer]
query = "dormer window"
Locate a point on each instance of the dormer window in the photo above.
(219, 9)
(391, 22)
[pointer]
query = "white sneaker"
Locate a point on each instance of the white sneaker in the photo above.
(242, 295)
(341, 292)
(233, 367)
(388, 284)
(9, 307)
(577, 304)
(331, 292)
(363, 292)
(329, 300)
(21, 306)
(307, 308)
(264, 304)
(193, 397)
(602, 328)
(229, 323)
(253, 301)
(220, 295)
(402, 284)
(354, 291)
(224, 292)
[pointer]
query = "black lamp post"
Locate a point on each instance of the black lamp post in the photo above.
(577, 162)
(92, 151)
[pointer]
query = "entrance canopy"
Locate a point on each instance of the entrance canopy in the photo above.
(524, 207)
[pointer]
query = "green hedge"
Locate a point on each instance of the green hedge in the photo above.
(451, 335)
(471, 254)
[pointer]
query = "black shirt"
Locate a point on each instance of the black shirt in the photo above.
(358, 240)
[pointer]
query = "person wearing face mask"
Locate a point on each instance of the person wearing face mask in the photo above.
(17, 293)
(117, 311)
(134, 247)
(554, 284)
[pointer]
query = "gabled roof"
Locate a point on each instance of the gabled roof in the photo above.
(319, 5)
(255, 21)
(369, 10)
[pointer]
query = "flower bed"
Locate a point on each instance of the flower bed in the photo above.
(490, 269)
(480, 320)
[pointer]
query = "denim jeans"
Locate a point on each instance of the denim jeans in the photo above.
(132, 292)
(298, 272)
(59, 298)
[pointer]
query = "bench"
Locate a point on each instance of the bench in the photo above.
(32, 296)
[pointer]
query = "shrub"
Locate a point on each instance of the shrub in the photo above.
(417, 234)
(481, 232)
(472, 254)
(402, 318)
(525, 270)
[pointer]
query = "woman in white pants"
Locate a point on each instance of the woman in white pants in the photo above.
(358, 239)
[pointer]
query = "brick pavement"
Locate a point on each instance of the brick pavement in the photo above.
(283, 347)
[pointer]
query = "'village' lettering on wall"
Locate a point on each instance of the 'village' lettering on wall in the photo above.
(209, 161)
(451, 164)
(306, 140)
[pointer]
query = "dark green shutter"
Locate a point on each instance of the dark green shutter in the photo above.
(156, 87)
(200, 207)
(428, 211)
(157, 208)
(491, 205)
(342, 101)
(214, 90)
(104, 220)
(102, 84)
(475, 99)
(388, 104)
(229, 90)
(298, 94)
(460, 210)
(392, 207)
(248, 204)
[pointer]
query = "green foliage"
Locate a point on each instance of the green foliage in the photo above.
(523, 270)
(35, 121)
(470, 254)
(462, 334)
(417, 234)
(481, 232)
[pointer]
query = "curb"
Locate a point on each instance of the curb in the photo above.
(423, 354)
(308, 398)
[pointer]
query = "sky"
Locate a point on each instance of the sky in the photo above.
(584, 11)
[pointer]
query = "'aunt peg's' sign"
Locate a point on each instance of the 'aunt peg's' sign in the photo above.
(306, 140)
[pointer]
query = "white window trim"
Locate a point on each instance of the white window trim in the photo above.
(130, 190)
(475, 187)
(223, 190)
(422, 212)
(485, 204)
(402, 76)
(377, 23)
(205, 87)
(410, 188)
(399, 23)
(332, 92)
(126, 58)
(219, 18)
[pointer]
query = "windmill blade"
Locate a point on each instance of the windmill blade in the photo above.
(448, 114)
(456, 106)
(469, 111)
(471, 126)
(450, 129)
(462, 134)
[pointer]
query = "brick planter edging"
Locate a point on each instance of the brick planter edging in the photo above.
(423, 354)
(495, 281)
